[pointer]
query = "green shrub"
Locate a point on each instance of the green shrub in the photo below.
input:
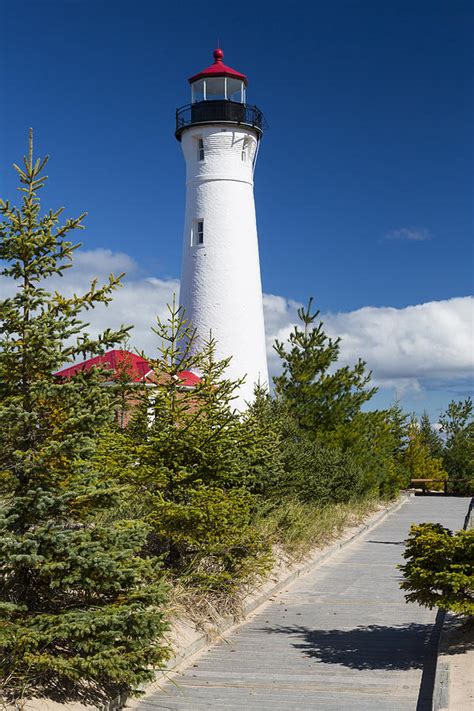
(440, 568)
(208, 537)
(325, 474)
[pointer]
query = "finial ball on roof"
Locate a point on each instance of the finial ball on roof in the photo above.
(218, 55)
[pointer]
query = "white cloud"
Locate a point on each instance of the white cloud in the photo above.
(407, 349)
(409, 234)
(431, 341)
(101, 262)
(410, 349)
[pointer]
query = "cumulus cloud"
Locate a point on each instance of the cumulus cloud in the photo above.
(418, 347)
(411, 346)
(407, 349)
(409, 234)
(102, 262)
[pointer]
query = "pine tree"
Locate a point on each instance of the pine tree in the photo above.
(430, 437)
(192, 461)
(458, 456)
(320, 399)
(263, 456)
(77, 604)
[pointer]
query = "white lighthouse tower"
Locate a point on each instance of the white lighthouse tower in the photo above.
(220, 278)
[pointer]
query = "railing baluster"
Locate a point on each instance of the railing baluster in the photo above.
(219, 110)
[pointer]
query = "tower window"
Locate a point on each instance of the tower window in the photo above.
(200, 148)
(197, 237)
(245, 149)
(200, 232)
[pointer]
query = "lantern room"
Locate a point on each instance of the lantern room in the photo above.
(218, 94)
(218, 82)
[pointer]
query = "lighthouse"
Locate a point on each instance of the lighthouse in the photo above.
(221, 288)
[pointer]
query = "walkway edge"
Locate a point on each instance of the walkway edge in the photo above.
(203, 640)
(445, 660)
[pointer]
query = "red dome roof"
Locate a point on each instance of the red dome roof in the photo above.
(219, 69)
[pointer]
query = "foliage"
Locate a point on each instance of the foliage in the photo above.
(456, 418)
(264, 459)
(76, 601)
(194, 461)
(458, 455)
(420, 463)
(327, 437)
(430, 437)
(210, 533)
(297, 527)
(375, 441)
(318, 398)
(95, 505)
(439, 571)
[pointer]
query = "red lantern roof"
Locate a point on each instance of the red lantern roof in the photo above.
(219, 69)
(137, 368)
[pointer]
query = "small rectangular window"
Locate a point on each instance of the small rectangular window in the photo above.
(197, 236)
(200, 149)
(245, 149)
(200, 232)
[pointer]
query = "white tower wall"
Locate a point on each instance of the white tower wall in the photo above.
(220, 278)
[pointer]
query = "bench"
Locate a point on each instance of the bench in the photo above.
(421, 483)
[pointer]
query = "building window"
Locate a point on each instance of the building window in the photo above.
(200, 232)
(245, 149)
(197, 237)
(200, 149)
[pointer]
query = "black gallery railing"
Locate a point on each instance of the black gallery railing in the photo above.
(219, 110)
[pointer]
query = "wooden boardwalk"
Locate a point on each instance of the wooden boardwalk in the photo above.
(341, 637)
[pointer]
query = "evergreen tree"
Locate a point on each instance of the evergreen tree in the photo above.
(193, 461)
(430, 437)
(263, 457)
(399, 423)
(318, 397)
(458, 456)
(418, 460)
(77, 604)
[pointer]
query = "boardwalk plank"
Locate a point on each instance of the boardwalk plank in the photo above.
(341, 637)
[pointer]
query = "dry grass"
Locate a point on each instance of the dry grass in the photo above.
(298, 528)
(294, 530)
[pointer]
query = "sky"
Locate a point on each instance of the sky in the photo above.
(364, 180)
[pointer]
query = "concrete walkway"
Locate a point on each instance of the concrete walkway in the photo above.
(341, 637)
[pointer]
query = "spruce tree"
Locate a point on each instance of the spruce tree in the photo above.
(319, 397)
(192, 461)
(78, 606)
(457, 424)
(430, 437)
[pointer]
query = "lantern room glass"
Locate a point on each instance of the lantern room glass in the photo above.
(218, 88)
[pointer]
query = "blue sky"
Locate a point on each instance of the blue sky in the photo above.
(364, 179)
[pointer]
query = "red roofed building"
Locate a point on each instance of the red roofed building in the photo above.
(136, 368)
